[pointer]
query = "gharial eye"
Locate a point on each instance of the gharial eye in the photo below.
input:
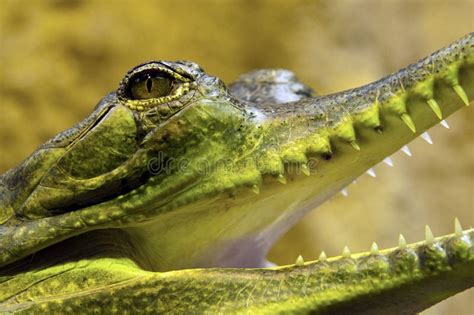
(151, 86)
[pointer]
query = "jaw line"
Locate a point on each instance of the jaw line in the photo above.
(294, 217)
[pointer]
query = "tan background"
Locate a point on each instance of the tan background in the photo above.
(57, 58)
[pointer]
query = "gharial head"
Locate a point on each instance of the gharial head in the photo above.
(76, 165)
(175, 160)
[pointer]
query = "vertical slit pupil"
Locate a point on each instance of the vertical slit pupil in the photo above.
(149, 84)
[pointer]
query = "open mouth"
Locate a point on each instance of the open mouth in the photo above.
(330, 231)
(180, 241)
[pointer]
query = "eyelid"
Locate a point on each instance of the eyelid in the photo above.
(163, 72)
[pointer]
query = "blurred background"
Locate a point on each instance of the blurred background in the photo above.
(58, 58)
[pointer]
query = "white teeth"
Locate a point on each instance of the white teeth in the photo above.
(299, 261)
(322, 256)
(305, 170)
(406, 150)
(429, 238)
(388, 161)
(371, 172)
(344, 192)
(402, 243)
(444, 123)
(426, 137)
(255, 189)
(457, 227)
(461, 93)
(281, 179)
(346, 252)
(374, 249)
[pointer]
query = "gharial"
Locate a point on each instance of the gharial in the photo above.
(167, 198)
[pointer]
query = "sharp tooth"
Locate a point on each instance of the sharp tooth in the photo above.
(281, 179)
(461, 93)
(426, 137)
(444, 123)
(305, 169)
(402, 243)
(371, 172)
(458, 228)
(344, 192)
(388, 161)
(406, 150)
(435, 107)
(322, 256)
(355, 145)
(299, 261)
(374, 249)
(408, 121)
(346, 252)
(429, 238)
(256, 189)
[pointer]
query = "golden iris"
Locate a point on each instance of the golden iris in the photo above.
(151, 86)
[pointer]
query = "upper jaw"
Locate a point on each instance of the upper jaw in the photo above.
(363, 126)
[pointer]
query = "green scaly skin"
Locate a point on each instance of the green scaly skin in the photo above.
(171, 204)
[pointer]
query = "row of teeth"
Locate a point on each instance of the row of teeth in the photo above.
(405, 117)
(402, 244)
(388, 160)
(409, 122)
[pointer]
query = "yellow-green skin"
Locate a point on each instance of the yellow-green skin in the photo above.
(171, 205)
